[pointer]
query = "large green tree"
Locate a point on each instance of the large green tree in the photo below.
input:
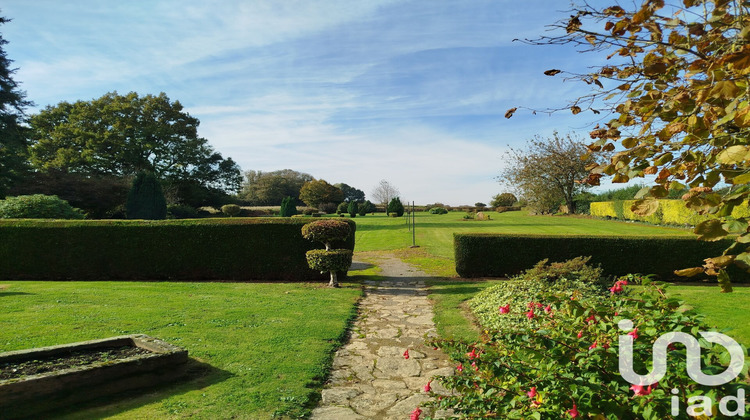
(548, 171)
(317, 192)
(351, 193)
(13, 133)
(125, 134)
(677, 81)
(270, 188)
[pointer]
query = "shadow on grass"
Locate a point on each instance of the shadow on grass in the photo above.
(447, 288)
(198, 375)
(3, 294)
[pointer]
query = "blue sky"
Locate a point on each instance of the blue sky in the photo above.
(413, 92)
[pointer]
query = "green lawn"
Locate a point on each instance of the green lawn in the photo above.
(259, 349)
(434, 233)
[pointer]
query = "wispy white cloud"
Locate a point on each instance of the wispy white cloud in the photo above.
(411, 91)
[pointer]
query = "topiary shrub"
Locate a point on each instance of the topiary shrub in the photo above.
(438, 210)
(332, 260)
(288, 207)
(146, 198)
(231, 210)
(366, 207)
(326, 231)
(341, 209)
(38, 206)
(352, 209)
(395, 207)
(181, 211)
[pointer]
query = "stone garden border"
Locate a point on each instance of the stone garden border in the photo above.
(31, 395)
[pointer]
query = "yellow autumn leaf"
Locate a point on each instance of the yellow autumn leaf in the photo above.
(645, 207)
(742, 118)
(741, 179)
(725, 89)
(732, 155)
(689, 272)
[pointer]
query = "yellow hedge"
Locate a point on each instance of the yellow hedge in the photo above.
(603, 209)
(670, 212)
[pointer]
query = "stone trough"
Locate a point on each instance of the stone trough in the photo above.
(29, 395)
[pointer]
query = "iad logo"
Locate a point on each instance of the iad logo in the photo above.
(693, 351)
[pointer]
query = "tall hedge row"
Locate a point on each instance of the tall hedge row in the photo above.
(498, 255)
(669, 212)
(207, 249)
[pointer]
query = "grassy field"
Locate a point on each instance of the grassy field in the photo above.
(259, 350)
(434, 233)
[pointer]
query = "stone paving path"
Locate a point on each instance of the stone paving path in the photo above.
(371, 378)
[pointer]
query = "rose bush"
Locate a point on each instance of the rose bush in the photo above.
(564, 362)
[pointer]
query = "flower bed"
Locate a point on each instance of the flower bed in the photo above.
(112, 365)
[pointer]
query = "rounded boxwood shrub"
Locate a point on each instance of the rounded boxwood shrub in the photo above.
(326, 231)
(342, 207)
(38, 206)
(329, 260)
(231, 210)
(438, 210)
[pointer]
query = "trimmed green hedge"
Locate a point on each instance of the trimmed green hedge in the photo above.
(498, 255)
(205, 249)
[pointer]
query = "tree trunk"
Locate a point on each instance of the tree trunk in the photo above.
(334, 282)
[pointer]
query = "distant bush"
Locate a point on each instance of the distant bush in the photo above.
(231, 210)
(98, 197)
(146, 198)
(438, 210)
(181, 211)
(341, 208)
(309, 211)
(396, 207)
(38, 206)
(352, 209)
(480, 205)
(366, 207)
(328, 208)
(503, 200)
(288, 207)
(469, 216)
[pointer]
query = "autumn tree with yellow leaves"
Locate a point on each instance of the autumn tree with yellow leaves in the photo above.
(676, 81)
